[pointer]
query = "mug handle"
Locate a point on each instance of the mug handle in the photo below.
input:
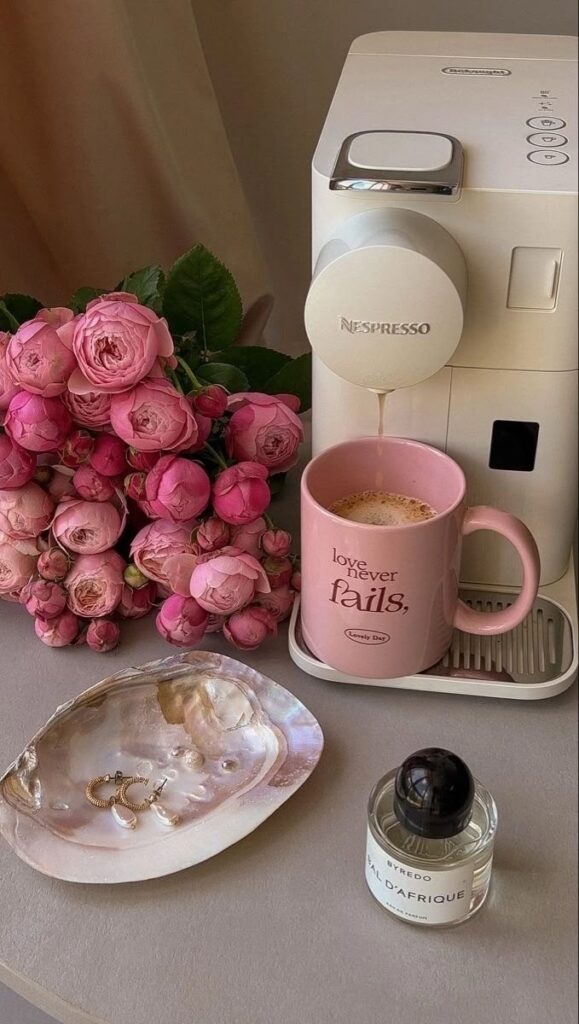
(481, 517)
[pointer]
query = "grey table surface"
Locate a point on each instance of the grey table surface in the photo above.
(280, 928)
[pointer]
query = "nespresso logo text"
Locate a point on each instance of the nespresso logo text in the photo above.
(485, 72)
(381, 327)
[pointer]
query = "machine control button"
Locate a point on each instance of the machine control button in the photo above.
(400, 151)
(546, 123)
(548, 139)
(547, 157)
(534, 279)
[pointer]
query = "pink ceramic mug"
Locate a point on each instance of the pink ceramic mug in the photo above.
(382, 601)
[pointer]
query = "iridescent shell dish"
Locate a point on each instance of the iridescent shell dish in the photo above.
(228, 745)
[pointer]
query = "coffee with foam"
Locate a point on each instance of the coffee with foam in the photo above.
(381, 508)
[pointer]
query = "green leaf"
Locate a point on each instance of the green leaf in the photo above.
(201, 295)
(7, 321)
(22, 307)
(295, 378)
(258, 364)
(147, 284)
(229, 377)
(83, 296)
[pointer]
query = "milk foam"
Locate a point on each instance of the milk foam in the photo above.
(380, 508)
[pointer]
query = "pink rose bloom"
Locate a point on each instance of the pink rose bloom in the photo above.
(264, 430)
(76, 449)
(278, 570)
(177, 489)
(57, 632)
(36, 423)
(142, 461)
(87, 527)
(278, 602)
(211, 401)
(156, 543)
(40, 597)
(292, 401)
(117, 342)
(53, 564)
(61, 484)
(16, 464)
(95, 584)
(277, 543)
(7, 386)
(89, 410)
(103, 635)
(228, 581)
(204, 427)
(212, 534)
(39, 356)
(17, 565)
(240, 493)
(92, 486)
(248, 536)
(248, 628)
(136, 602)
(154, 416)
(109, 456)
(25, 512)
(181, 621)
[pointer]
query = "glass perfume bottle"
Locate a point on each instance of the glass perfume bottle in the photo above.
(431, 831)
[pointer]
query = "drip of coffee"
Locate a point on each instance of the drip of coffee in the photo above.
(381, 508)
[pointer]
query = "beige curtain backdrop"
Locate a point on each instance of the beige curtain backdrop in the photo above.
(113, 153)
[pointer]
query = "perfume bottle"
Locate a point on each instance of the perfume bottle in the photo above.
(431, 831)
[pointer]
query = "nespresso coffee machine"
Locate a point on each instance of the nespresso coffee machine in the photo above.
(445, 278)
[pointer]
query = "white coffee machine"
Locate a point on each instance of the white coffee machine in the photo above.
(445, 275)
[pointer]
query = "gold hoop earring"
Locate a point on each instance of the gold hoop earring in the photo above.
(133, 805)
(123, 816)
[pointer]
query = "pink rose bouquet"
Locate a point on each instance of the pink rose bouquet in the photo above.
(140, 452)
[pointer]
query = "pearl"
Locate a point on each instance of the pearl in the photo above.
(165, 816)
(124, 816)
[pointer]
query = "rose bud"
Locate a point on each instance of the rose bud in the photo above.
(36, 423)
(248, 537)
(134, 485)
(278, 602)
(181, 621)
(17, 565)
(39, 356)
(296, 581)
(264, 429)
(143, 461)
(109, 456)
(177, 489)
(57, 632)
(204, 427)
(154, 416)
(95, 584)
(248, 628)
(278, 570)
(134, 604)
(133, 577)
(228, 581)
(53, 564)
(240, 493)
(89, 410)
(17, 466)
(103, 635)
(93, 486)
(7, 386)
(76, 449)
(156, 543)
(277, 543)
(211, 401)
(117, 342)
(212, 534)
(25, 512)
(40, 597)
(87, 527)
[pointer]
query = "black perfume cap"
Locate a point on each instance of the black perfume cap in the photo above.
(434, 793)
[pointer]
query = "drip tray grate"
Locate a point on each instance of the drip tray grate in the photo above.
(536, 651)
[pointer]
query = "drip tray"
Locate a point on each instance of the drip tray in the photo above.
(537, 659)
